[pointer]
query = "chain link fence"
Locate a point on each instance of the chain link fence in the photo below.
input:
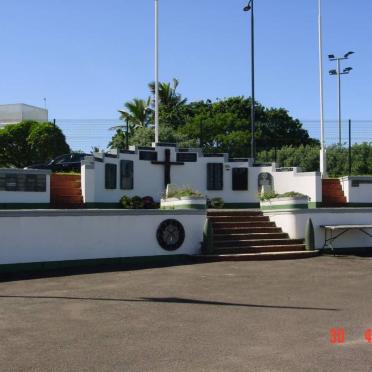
(86, 134)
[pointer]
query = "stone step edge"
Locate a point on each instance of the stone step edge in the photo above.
(263, 255)
(295, 241)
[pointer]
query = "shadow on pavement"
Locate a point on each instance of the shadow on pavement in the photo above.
(170, 300)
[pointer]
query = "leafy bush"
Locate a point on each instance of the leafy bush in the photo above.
(272, 195)
(149, 203)
(183, 192)
(292, 194)
(216, 203)
(137, 202)
(268, 195)
(126, 202)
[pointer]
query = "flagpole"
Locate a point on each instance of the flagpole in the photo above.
(156, 71)
(323, 154)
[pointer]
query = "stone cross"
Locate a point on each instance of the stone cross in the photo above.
(167, 166)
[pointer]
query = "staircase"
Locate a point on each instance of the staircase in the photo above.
(65, 191)
(249, 235)
(333, 195)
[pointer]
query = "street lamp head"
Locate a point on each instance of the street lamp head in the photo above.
(333, 72)
(347, 55)
(347, 69)
(248, 7)
(331, 56)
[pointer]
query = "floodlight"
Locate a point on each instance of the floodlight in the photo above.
(248, 7)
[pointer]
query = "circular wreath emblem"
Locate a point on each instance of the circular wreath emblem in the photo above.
(170, 235)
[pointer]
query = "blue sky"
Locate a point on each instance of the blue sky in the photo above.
(88, 57)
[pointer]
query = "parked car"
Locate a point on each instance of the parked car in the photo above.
(63, 163)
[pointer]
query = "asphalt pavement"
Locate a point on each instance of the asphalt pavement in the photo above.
(228, 316)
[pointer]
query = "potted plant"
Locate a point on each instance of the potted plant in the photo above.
(182, 198)
(289, 200)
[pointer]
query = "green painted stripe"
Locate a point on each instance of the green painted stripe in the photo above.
(285, 206)
(38, 267)
(25, 206)
(185, 206)
(360, 205)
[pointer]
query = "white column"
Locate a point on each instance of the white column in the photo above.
(156, 71)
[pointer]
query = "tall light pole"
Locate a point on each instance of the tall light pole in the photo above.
(323, 153)
(156, 71)
(338, 73)
(250, 7)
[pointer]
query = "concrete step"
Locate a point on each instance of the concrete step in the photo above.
(334, 205)
(290, 255)
(239, 219)
(227, 213)
(70, 199)
(246, 230)
(68, 206)
(265, 236)
(260, 249)
(59, 183)
(65, 191)
(256, 242)
(334, 200)
(249, 224)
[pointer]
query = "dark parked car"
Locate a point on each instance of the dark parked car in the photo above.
(63, 163)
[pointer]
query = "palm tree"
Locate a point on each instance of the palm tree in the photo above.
(168, 95)
(137, 113)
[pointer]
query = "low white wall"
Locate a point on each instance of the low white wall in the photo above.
(307, 183)
(26, 197)
(52, 235)
(294, 223)
(357, 190)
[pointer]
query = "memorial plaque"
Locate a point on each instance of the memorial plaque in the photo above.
(110, 176)
(40, 183)
(126, 175)
(148, 155)
(215, 176)
(187, 157)
(240, 179)
(265, 182)
(23, 182)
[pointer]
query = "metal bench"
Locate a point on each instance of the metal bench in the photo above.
(335, 231)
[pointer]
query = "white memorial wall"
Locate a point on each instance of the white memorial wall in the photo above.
(145, 172)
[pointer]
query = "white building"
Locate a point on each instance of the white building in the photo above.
(17, 112)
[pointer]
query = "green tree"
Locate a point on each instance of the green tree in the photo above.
(145, 137)
(307, 157)
(138, 113)
(30, 142)
(168, 95)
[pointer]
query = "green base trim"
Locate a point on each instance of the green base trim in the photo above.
(359, 205)
(25, 206)
(39, 267)
(185, 206)
(241, 206)
(284, 206)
